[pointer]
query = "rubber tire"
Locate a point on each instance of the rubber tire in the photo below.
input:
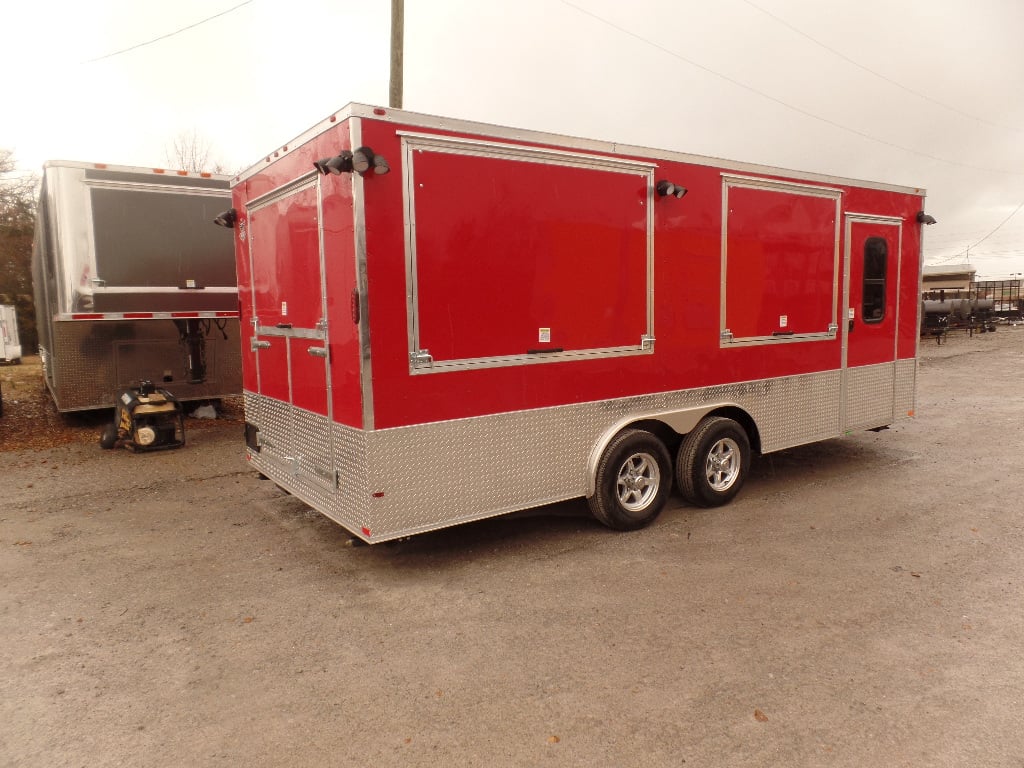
(605, 504)
(691, 461)
(108, 436)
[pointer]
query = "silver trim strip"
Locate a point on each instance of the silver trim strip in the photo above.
(161, 189)
(297, 184)
(421, 361)
(291, 333)
(362, 282)
(482, 148)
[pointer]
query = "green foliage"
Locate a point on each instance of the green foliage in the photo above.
(17, 224)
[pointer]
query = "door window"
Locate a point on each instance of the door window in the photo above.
(876, 253)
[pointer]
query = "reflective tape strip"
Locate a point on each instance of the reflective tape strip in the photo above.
(141, 315)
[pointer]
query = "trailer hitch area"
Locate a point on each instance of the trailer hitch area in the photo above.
(192, 333)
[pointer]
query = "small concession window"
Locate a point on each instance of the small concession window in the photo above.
(780, 261)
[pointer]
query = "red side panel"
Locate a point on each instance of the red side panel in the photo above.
(910, 293)
(273, 366)
(340, 271)
(497, 249)
(309, 376)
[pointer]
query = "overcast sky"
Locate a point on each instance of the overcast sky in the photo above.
(923, 94)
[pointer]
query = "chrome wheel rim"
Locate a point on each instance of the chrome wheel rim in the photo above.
(638, 482)
(722, 467)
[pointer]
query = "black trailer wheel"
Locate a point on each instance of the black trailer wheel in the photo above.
(108, 436)
(713, 462)
(633, 481)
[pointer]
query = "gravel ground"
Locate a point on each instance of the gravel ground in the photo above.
(857, 605)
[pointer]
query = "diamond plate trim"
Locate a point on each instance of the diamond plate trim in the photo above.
(91, 361)
(406, 480)
(870, 396)
(906, 388)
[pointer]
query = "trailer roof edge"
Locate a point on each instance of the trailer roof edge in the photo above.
(423, 120)
(168, 172)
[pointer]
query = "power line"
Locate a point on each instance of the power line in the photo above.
(169, 34)
(785, 104)
(879, 75)
(998, 227)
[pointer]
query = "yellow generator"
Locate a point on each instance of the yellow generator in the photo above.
(145, 419)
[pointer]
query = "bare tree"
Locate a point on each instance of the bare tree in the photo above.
(16, 188)
(191, 151)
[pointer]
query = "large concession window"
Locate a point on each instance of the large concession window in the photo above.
(519, 255)
(780, 261)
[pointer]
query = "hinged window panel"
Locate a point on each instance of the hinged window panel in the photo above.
(780, 261)
(521, 255)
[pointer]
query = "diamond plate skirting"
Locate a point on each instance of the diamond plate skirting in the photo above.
(91, 361)
(390, 483)
(906, 388)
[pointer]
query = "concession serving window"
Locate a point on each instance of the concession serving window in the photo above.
(780, 261)
(518, 255)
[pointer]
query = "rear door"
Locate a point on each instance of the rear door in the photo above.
(872, 261)
(290, 328)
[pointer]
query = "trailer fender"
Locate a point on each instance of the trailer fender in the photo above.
(679, 421)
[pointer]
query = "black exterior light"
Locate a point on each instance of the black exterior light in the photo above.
(666, 188)
(364, 158)
(924, 218)
(339, 164)
(360, 161)
(227, 219)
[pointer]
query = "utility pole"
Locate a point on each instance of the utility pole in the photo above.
(397, 36)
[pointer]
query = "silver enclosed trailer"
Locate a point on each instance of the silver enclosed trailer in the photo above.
(134, 282)
(10, 346)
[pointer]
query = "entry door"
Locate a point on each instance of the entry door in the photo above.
(869, 331)
(290, 334)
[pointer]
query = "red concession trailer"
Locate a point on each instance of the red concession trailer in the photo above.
(448, 321)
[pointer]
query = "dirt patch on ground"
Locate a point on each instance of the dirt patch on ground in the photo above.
(31, 421)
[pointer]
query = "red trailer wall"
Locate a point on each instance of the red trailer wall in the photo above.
(491, 287)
